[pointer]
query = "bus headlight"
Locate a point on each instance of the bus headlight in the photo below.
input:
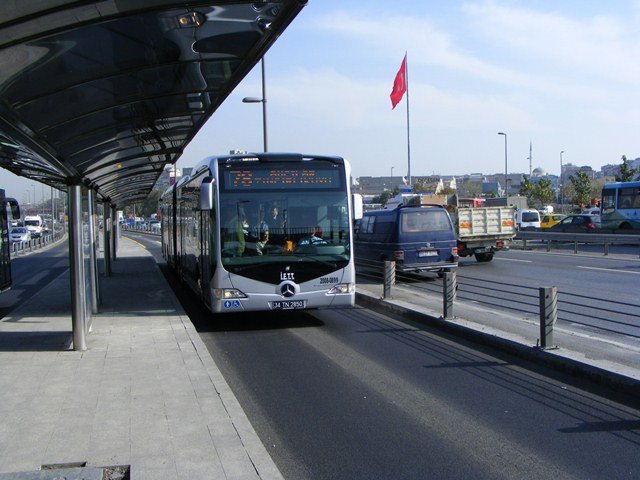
(342, 288)
(228, 293)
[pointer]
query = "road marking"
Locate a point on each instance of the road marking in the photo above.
(513, 260)
(610, 270)
(132, 240)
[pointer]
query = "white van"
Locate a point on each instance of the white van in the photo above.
(34, 224)
(527, 219)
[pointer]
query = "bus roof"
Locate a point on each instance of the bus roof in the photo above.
(622, 184)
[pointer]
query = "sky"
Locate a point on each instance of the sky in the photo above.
(556, 76)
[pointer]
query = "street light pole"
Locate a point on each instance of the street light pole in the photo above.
(560, 183)
(262, 100)
(506, 188)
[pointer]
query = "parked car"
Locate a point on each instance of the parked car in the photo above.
(154, 226)
(577, 224)
(548, 220)
(19, 234)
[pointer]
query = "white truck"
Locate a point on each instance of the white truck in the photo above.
(480, 231)
(34, 224)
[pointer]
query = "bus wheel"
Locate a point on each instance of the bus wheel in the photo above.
(484, 257)
(625, 226)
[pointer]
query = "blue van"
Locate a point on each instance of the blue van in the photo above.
(419, 238)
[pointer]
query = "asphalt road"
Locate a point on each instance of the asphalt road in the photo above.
(350, 394)
(355, 394)
(30, 273)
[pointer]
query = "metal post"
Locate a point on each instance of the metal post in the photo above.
(116, 234)
(76, 264)
(449, 288)
(548, 315)
(389, 277)
(93, 258)
(106, 238)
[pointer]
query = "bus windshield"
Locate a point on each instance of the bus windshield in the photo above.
(270, 211)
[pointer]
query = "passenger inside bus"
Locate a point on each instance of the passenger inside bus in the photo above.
(313, 237)
(257, 233)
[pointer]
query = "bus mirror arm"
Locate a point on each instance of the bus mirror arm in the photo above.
(356, 205)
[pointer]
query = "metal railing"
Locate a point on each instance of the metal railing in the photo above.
(598, 314)
(551, 239)
(22, 248)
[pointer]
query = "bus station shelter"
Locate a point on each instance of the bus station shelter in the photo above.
(98, 97)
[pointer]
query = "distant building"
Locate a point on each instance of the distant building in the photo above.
(569, 170)
(377, 185)
(168, 176)
(481, 185)
(613, 170)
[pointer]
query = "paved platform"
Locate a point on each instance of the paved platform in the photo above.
(145, 394)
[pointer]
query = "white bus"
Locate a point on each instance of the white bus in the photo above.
(264, 231)
(620, 206)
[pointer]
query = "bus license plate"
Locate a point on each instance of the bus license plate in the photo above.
(427, 253)
(288, 304)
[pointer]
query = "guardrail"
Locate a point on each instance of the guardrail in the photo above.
(22, 248)
(596, 238)
(605, 315)
(139, 229)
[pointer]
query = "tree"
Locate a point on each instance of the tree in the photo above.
(627, 174)
(543, 192)
(582, 188)
(526, 187)
(150, 204)
(383, 197)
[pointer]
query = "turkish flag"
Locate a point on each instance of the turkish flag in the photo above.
(399, 84)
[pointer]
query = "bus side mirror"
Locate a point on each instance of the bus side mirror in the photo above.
(206, 193)
(15, 208)
(356, 205)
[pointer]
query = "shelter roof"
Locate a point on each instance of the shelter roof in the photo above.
(106, 93)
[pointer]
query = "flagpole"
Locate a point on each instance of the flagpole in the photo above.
(406, 76)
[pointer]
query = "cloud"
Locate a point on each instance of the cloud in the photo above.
(603, 46)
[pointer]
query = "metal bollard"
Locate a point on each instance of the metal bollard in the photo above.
(449, 287)
(548, 315)
(389, 277)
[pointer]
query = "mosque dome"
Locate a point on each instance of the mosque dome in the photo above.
(539, 172)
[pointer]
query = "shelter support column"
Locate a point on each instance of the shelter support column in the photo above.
(116, 233)
(76, 265)
(93, 255)
(107, 231)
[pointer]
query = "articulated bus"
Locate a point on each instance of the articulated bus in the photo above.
(264, 231)
(7, 205)
(620, 207)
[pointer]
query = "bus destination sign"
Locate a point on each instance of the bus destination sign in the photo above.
(241, 178)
